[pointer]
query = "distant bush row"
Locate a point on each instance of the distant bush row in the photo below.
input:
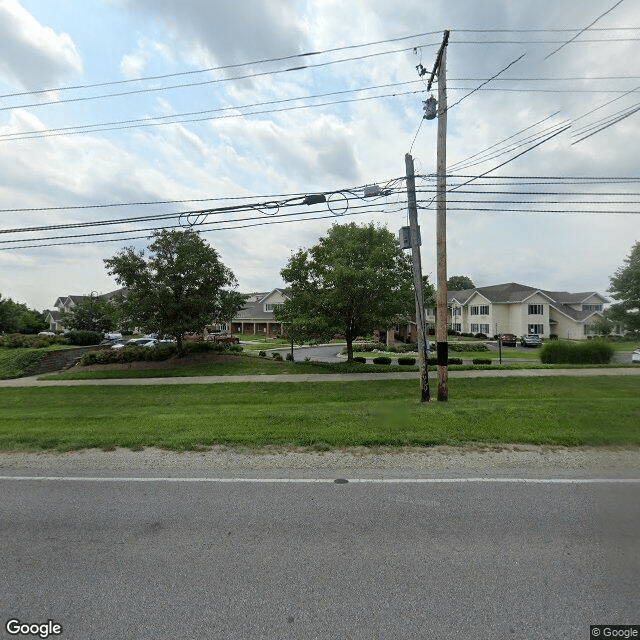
(367, 347)
(22, 341)
(591, 352)
(153, 354)
(406, 360)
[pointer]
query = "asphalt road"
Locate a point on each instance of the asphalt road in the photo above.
(224, 559)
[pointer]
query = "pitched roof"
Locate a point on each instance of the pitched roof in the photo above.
(512, 292)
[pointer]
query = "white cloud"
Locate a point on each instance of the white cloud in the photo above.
(330, 147)
(33, 55)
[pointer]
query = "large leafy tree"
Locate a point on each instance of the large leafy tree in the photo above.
(179, 288)
(625, 288)
(16, 316)
(93, 313)
(355, 280)
(459, 283)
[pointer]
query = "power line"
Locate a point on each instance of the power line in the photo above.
(274, 219)
(455, 104)
(294, 56)
(583, 30)
(213, 81)
(152, 121)
(221, 68)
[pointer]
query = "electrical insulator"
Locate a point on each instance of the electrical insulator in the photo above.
(430, 108)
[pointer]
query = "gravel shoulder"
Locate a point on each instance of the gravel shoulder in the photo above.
(280, 462)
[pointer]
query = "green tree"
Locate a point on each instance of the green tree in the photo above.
(93, 313)
(16, 316)
(459, 283)
(178, 289)
(355, 280)
(625, 288)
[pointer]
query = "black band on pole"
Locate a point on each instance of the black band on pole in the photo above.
(443, 353)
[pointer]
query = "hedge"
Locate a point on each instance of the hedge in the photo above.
(153, 354)
(481, 361)
(22, 341)
(591, 352)
(83, 338)
(406, 360)
(382, 360)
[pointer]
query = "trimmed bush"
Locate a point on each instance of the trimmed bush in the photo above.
(562, 352)
(455, 361)
(84, 338)
(382, 360)
(360, 359)
(456, 346)
(481, 361)
(289, 357)
(262, 354)
(406, 360)
(21, 341)
(276, 356)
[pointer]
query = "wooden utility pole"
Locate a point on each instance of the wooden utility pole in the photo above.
(425, 395)
(441, 222)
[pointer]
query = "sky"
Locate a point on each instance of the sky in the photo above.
(217, 118)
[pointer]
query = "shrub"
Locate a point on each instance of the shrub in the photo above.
(406, 360)
(84, 337)
(276, 356)
(481, 361)
(370, 346)
(455, 361)
(467, 347)
(382, 360)
(360, 359)
(562, 352)
(262, 354)
(19, 341)
(289, 357)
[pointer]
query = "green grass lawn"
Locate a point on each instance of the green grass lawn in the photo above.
(558, 411)
(238, 367)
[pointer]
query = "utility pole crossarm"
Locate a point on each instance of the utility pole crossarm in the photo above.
(436, 65)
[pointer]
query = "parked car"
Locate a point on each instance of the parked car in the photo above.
(50, 334)
(114, 335)
(508, 340)
(635, 356)
(530, 340)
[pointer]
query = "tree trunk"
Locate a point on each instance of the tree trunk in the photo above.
(349, 339)
(179, 346)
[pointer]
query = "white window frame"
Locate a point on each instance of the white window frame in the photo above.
(536, 329)
(480, 310)
(536, 309)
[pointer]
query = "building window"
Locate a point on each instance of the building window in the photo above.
(592, 307)
(457, 327)
(536, 328)
(481, 310)
(536, 310)
(480, 328)
(272, 306)
(457, 311)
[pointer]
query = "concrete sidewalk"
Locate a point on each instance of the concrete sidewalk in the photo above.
(33, 381)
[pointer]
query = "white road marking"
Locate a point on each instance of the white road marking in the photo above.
(327, 480)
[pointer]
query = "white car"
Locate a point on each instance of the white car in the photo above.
(635, 356)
